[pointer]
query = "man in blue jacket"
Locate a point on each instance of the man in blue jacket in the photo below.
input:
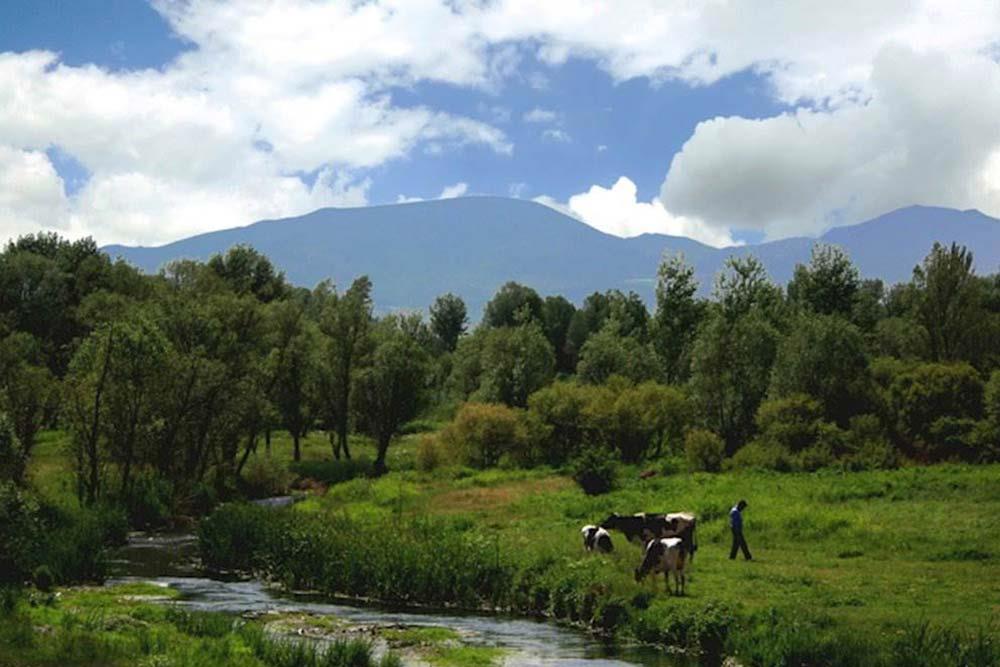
(736, 524)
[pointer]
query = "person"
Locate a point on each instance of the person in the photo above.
(736, 524)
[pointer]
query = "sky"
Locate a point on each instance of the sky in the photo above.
(726, 121)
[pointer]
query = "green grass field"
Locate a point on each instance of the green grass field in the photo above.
(867, 556)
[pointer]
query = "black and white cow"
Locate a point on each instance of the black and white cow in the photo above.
(596, 538)
(665, 555)
(644, 527)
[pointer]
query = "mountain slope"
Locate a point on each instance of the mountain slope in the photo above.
(414, 252)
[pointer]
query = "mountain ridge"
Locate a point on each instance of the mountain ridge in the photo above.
(471, 245)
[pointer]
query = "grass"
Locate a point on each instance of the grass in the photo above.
(843, 559)
(121, 626)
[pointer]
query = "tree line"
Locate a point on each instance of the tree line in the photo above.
(178, 378)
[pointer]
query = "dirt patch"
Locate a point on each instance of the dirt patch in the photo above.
(491, 498)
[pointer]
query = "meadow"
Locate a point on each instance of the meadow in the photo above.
(849, 567)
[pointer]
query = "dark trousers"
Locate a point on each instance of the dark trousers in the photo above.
(739, 542)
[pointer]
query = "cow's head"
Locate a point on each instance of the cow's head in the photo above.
(651, 557)
(613, 522)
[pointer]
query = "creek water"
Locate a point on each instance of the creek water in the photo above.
(171, 560)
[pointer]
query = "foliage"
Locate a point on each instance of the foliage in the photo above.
(921, 395)
(608, 353)
(482, 434)
(677, 316)
(823, 356)
(731, 370)
(513, 305)
(388, 392)
(704, 450)
(828, 285)
(949, 302)
(448, 319)
(595, 470)
(503, 364)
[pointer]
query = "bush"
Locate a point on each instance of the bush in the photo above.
(763, 455)
(484, 433)
(149, 502)
(429, 454)
(333, 472)
(792, 423)
(704, 450)
(43, 578)
(21, 530)
(595, 470)
(264, 477)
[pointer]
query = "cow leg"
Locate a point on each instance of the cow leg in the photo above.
(666, 580)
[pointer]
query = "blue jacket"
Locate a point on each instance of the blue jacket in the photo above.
(735, 519)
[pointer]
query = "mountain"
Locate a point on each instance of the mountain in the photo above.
(413, 252)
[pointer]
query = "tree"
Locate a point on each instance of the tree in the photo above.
(828, 284)
(513, 304)
(449, 319)
(677, 316)
(730, 372)
(294, 367)
(557, 317)
(514, 362)
(629, 310)
(608, 353)
(247, 271)
(388, 392)
(949, 302)
(345, 321)
(823, 356)
(27, 389)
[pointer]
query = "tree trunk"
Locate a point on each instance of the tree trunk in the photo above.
(380, 468)
(251, 447)
(334, 444)
(297, 454)
(267, 441)
(342, 440)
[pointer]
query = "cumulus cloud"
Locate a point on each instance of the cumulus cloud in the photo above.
(928, 135)
(617, 210)
(896, 103)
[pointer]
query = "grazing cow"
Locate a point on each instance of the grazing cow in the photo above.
(664, 555)
(644, 527)
(596, 538)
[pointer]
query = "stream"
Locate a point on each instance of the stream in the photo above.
(171, 560)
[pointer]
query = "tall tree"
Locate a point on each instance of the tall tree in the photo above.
(345, 321)
(828, 284)
(294, 368)
(949, 304)
(513, 304)
(744, 286)
(247, 271)
(27, 389)
(678, 314)
(730, 371)
(389, 390)
(449, 319)
(558, 314)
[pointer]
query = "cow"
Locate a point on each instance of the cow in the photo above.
(644, 527)
(596, 538)
(665, 555)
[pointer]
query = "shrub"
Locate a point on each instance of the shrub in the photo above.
(484, 433)
(763, 455)
(953, 437)
(264, 477)
(595, 470)
(333, 472)
(149, 501)
(429, 454)
(21, 531)
(11, 455)
(43, 578)
(869, 446)
(792, 423)
(704, 450)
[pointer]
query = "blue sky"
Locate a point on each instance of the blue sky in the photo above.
(142, 122)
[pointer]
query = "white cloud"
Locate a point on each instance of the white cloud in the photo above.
(556, 135)
(448, 192)
(452, 191)
(899, 106)
(538, 115)
(928, 135)
(617, 211)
